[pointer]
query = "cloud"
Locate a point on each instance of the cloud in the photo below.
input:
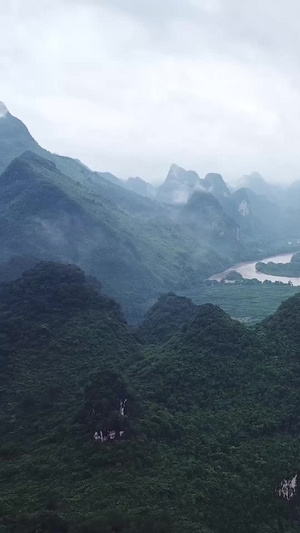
(3, 110)
(131, 87)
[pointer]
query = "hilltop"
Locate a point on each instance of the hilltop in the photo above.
(55, 208)
(196, 435)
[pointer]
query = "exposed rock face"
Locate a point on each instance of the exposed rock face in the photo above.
(288, 488)
(244, 208)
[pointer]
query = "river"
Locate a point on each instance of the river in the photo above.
(248, 271)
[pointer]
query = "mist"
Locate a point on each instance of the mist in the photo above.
(130, 87)
(3, 110)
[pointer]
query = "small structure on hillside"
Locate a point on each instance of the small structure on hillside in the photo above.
(112, 433)
(122, 407)
(288, 488)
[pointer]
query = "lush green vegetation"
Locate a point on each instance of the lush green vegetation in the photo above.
(188, 422)
(248, 302)
(131, 244)
(210, 425)
(55, 208)
(165, 318)
(234, 276)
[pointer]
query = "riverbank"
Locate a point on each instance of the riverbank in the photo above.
(248, 270)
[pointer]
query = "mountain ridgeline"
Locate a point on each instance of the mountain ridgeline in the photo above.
(140, 240)
(124, 407)
(188, 423)
(54, 207)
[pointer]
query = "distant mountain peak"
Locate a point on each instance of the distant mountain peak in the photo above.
(214, 177)
(3, 110)
(255, 177)
(175, 172)
(175, 168)
(137, 179)
(178, 185)
(256, 183)
(178, 175)
(201, 199)
(215, 183)
(140, 186)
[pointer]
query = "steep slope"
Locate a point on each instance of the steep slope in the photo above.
(177, 188)
(257, 215)
(110, 177)
(63, 347)
(256, 183)
(137, 251)
(285, 323)
(226, 384)
(215, 184)
(178, 185)
(204, 213)
(39, 211)
(54, 207)
(165, 318)
(292, 210)
(198, 433)
(140, 186)
(14, 138)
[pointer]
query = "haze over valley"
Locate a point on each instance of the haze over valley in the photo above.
(138, 240)
(149, 266)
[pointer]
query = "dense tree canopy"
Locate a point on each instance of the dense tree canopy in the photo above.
(192, 431)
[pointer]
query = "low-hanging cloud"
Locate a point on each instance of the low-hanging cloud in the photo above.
(131, 87)
(3, 110)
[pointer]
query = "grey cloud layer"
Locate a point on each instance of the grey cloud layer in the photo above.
(130, 86)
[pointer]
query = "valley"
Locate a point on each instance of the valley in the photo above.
(248, 270)
(138, 240)
(137, 392)
(149, 266)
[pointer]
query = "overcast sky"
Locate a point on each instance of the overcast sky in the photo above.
(131, 86)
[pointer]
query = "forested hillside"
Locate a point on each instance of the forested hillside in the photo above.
(136, 255)
(140, 241)
(55, 208)
(149, 266)
(193, 432)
